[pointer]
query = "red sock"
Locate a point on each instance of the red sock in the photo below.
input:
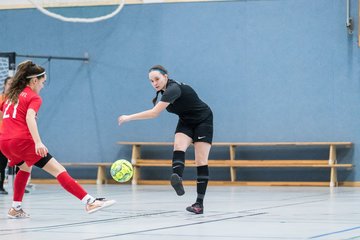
(70, 185)
(20, 184)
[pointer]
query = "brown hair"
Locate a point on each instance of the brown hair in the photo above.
(24, 73)
(159, 68)
(5, 82)
(162, 71)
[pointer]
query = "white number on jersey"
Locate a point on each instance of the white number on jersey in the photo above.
(6, 114)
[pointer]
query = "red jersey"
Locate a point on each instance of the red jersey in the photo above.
(2, 97)
(14, 116)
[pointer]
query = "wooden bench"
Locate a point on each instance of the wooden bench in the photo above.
(232, 163)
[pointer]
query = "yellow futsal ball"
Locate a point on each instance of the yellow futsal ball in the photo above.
(121, 170)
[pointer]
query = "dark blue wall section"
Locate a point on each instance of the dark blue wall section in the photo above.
(272, 70)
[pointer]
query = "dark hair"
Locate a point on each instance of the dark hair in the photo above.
(5, 82)
(24, 73)
(159, 68)
(162, 71)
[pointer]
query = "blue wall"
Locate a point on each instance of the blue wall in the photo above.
(272, 70)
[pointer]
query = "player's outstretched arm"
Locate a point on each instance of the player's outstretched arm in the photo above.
(151, 113)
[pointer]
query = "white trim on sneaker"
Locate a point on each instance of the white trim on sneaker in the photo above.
(17, 214)
(98, 204)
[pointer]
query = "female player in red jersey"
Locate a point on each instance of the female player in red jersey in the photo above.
(20, 140)
(195, 125)
(3, 159)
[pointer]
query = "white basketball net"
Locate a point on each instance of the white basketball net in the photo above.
(81, 20)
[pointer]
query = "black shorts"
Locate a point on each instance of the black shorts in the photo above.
(42, 162)
(202, 132)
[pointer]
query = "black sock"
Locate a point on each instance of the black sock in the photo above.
(2, 178)
(202, 182)
(3, 163)
(178, 162)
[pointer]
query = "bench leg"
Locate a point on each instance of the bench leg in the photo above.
(136, 175)
(101, 175)
(332, 160)
(233, 174)
(135, 155)
(332, 155)
(232, 159)
(333, 178)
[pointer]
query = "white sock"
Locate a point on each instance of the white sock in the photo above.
(88, 199)
(16, 205)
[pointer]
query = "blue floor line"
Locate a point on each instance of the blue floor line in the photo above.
(332, 233)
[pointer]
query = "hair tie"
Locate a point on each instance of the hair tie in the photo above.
(37, 75)
(158, 69)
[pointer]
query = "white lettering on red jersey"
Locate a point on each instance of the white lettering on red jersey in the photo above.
(14, 115)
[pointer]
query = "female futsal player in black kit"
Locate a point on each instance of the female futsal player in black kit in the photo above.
(195, 125)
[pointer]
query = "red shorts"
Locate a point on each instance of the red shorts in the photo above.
(19, 150)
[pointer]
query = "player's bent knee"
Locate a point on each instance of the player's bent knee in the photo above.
(180, 146)
(201, 162)
(43, 161)
(24, 167)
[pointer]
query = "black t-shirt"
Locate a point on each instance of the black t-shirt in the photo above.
(185, 103)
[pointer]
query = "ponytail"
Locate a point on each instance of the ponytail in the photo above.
(155, 98)
(24, 73)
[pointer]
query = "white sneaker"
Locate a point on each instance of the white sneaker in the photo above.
(98, 204)
(17, 213)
